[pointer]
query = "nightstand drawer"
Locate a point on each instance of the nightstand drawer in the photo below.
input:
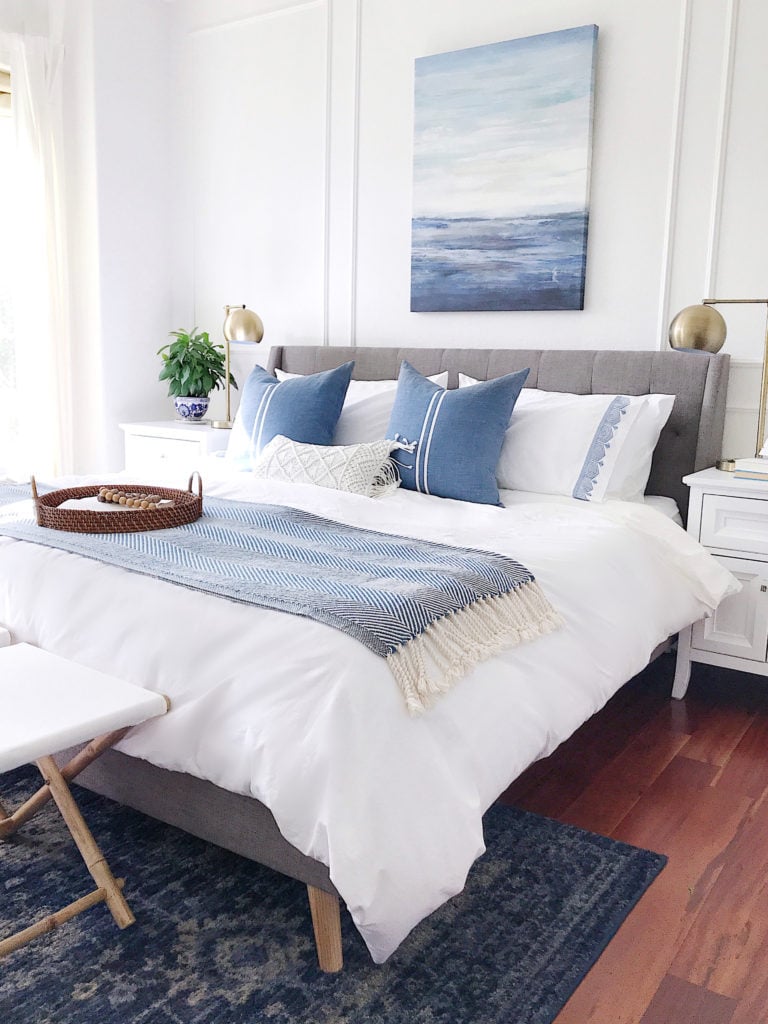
(734, 524)
(141, 450)
(160, 445)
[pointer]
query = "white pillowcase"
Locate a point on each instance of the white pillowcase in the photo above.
(359, 468)
(367, 408)
(591, 447)
(630, 477)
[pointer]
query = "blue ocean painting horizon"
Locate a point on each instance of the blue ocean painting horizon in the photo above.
(499, 263)
(502, 154)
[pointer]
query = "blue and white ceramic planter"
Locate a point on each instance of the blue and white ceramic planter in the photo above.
(191, 408)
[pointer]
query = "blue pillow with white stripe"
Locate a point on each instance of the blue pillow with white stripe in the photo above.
(456, 435)
(305, 409)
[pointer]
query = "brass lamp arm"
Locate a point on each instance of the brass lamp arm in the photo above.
(760, 440)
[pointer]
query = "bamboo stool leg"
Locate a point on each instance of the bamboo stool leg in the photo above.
(59, 917)
(86, 844)
(326, 923)
(10, 823)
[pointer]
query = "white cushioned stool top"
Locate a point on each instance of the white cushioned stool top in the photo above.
(48, 703)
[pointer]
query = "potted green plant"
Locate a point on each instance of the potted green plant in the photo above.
(193, 367)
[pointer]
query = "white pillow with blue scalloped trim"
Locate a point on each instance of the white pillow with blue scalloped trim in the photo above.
(592, 447)
(565, 444)
(630, 477)
(560, 443)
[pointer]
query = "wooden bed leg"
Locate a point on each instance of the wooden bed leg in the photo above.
(326, 922)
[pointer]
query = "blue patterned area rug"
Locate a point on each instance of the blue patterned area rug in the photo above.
(220, 940)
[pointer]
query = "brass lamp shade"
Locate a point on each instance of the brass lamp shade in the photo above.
(698, 327)
(241, 324)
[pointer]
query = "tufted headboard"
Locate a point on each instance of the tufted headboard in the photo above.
(691, 439)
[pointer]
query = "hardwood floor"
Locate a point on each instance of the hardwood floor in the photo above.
(688, 779)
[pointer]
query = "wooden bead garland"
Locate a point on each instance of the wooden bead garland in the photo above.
(133, 499)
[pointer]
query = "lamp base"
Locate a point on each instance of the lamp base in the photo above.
(221, 424)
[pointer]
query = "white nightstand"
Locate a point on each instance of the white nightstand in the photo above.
(170, 445)
(730, 518)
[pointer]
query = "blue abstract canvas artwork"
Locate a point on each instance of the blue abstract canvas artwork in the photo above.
(502, 149)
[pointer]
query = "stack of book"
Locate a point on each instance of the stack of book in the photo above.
(751, 469)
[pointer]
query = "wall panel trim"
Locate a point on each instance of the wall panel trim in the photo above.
(673, 186)
(327, 172)
(354, 239)
(724, 118)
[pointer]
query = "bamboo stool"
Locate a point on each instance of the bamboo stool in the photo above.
(48, 704)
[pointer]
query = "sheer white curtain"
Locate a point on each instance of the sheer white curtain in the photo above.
(34, 240)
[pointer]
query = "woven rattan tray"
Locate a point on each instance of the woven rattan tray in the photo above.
(186, 508)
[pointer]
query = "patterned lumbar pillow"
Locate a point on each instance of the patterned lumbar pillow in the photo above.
(455, 437)
(360, 468)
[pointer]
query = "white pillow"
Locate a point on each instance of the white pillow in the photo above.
(630, 476)
(359, 468)
(367, 408)
(591, 447)
(357, 390)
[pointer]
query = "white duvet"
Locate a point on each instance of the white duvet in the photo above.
(312, 723)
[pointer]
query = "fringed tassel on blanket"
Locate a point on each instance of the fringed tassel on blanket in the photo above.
(460, 640)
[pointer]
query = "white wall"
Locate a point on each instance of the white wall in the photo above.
(135, 182)
(252, 138)
(299, 139)
(259, 151)
(356, 89)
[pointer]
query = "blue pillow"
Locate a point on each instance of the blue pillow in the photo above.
(305, 409)
(457, 434)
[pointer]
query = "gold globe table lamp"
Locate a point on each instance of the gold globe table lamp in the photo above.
(240, 324)
(698, 327)
(703, 328)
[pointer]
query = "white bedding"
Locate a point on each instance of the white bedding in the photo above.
(666, 506)
(310, 722)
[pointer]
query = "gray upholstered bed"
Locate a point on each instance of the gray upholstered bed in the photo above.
(690, 441)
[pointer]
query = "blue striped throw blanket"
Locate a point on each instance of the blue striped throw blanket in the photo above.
(432, 610)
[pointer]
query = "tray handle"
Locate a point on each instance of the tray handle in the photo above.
(36, 499)
(199, 484)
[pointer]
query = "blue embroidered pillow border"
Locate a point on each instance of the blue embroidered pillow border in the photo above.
(601, 442)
